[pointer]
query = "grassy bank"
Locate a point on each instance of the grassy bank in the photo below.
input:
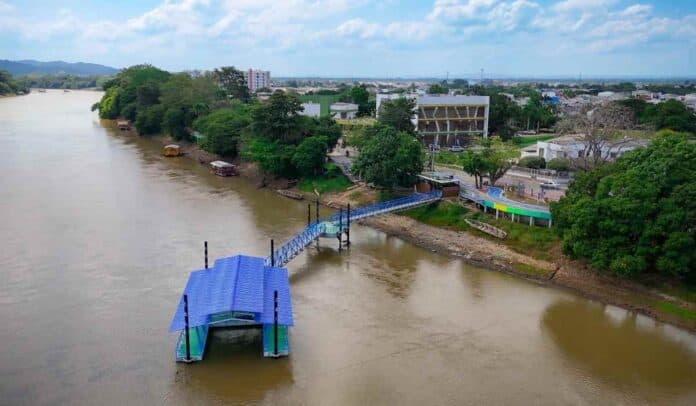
(331, 182)
(537, 242)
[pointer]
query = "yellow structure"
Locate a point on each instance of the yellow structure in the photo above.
(171, 150)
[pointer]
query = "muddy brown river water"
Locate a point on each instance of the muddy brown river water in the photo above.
(99, 232)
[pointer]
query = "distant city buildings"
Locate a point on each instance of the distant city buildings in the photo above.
(258, 79)
(446, 120)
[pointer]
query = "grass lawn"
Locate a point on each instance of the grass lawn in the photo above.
(535, 241)
(676, 310)
(324, 184)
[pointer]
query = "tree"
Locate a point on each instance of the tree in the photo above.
(601, 129)
(398, 113)
(360, 96)
(223, 129)
(390, 158)
(474, 165)
(498, 158)
(310, 156)
(503, 117)
(272, 157)
(437, 88)
(234, 82)
(637, 214)
(278, 119)
(149, 120)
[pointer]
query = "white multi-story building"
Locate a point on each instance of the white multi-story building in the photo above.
(258, 79)
(446, 120)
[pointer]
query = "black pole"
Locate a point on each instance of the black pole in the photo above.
(205, 245)
(348, 226)
(340, 227)
(272, 254)
(309, 214)
(186, 326)
(317, 214)
(275, 322)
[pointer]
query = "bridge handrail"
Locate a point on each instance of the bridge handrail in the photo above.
(287, 251)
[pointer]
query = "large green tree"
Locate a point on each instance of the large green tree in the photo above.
(310, 156)
(390, 158)
(234, 82)
(398, 113)
(278, 119)
(223, 129)
(637, 214)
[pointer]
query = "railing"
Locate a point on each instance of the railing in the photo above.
(290, 249)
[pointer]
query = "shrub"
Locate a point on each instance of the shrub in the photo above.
(533, 162)
(558, 164)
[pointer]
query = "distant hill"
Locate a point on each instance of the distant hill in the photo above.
(27, 67)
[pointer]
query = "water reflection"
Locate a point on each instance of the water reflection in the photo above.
(233, 367)
(618, 351)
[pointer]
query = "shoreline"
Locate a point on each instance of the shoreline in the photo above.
(483, 253)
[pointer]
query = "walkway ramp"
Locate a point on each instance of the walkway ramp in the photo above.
(292, 248)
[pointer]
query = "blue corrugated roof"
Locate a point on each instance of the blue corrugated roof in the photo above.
(239, 283)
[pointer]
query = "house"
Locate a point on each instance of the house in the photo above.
(573, 146)
(346, 111)
(311, 110)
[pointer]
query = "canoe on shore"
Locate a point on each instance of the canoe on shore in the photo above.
(487, 228)
(290, 194)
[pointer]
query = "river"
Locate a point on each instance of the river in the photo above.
(99, 233)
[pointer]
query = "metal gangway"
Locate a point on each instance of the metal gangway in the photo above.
(314, 230)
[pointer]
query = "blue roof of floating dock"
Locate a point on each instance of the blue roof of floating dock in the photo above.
(240, 283)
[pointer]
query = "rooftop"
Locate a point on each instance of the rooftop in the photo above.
(454, 100)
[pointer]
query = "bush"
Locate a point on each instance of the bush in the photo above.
(149, 120)
(129, 112)
(533, 162)
(558, 164)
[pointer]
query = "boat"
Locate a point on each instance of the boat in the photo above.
(171, 150)
(123, 125)
(222, 168)
(487, 228)
(289, 193)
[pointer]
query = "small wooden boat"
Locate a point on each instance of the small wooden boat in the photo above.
(487, 228)
(123, 125)
(290, 194)
(222, 168)
(171, 150)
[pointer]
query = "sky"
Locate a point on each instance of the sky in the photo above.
(362, 38)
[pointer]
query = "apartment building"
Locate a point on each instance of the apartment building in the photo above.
(258, 79)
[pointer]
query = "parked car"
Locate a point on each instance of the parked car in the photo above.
(549, 184)
(456, 148)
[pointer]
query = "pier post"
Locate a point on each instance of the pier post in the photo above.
(531, 221)
(272, 254)
(497, 213)
(275, 323)
(340, 228)
(186, 326)
(309, 214)
(348, 226)
(205, 248)
(317, 217)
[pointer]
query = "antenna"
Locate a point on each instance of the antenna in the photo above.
(481, 75)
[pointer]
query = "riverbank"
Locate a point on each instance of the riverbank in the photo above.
(556, 271)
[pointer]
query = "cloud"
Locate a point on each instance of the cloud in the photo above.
(291, 27)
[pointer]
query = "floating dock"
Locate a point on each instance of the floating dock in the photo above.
(253, 292)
